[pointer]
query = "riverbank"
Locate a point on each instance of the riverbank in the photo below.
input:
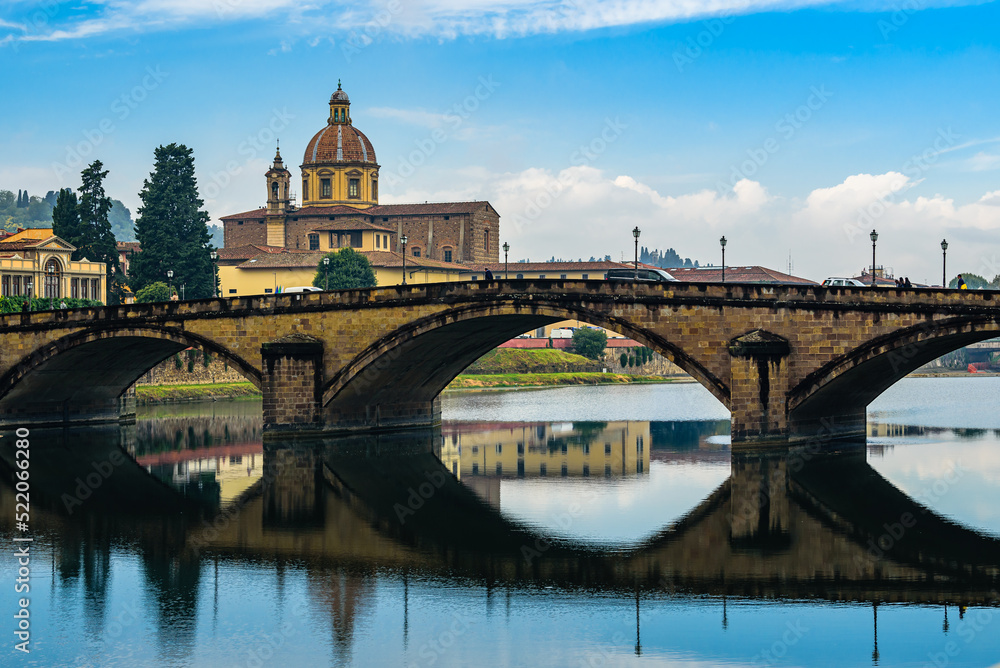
(152, 395)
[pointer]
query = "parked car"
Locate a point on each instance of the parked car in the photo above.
(843, 283)
(302, 288)
(644, 275)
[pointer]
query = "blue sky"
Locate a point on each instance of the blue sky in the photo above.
(792, 127)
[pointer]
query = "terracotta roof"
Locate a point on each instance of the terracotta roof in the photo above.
(426, 208)
(283, 260)
(256, 213)
(342, 225)
(34, 233)
(753, 274)
(393, 259)
(336, 210)
(339, 143)
(248, 251)
(129, 246)
(602, 265)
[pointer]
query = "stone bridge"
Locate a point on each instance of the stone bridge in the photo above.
(790, 363)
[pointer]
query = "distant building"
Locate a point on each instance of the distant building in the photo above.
(739, 274)
(340, 206)
(36, 262)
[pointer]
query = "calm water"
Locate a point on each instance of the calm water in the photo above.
(596, 526)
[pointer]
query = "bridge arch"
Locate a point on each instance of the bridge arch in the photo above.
(849, 383)
(423, 356)
(86, 372)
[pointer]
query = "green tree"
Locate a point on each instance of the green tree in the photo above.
(623, 359)
(66, 217)
(172, 228)
(96, 242)
(154, 292)
(589, 342)
(347, 269)
(974, 281)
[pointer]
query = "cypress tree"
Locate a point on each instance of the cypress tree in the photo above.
(66, 217)
(96, 242)
(172, 228)
(20, 200)
(27, 200)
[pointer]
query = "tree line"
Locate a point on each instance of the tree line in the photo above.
(172, 227)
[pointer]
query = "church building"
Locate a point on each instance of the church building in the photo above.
(340, 206)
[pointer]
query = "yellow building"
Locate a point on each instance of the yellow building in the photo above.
(36, 262)
(257, 270)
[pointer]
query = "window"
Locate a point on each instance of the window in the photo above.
(268, 291)
(385, 218)
(356, 239)
(83, 289)
(586, 276)
(6, 286)
(374, 189)
(74, 288)
(520, 275)
(313, 242)
(239, 222)
(447, 255)
(332, 244)
(607, 471)
(475, 469)
(607, 449)
(378, 241)
(447, 217)
(416, 252)
(541, 276)
(586, 470)
(17, 285)
(95, 288)
(486, 241)
(499, 448)
(52, 279)
(232, 291)
(385, 241)
(542, 470)
(353, 188)
(274, 190)
(564, 470)
(326, 191)
(499, 468)
(562, 276)
(305, 189)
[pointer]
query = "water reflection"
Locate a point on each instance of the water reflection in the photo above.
(369, 551)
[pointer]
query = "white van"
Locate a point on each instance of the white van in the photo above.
(301, 288)
(835, 282)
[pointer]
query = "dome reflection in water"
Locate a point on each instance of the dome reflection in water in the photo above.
(584, 539)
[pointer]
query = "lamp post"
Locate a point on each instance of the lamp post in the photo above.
(402, 239)
(944, 263)
(31, 292)
(874, 238)
(215, 273)
(170, 282)
(635, 233)
(722, 242)
(506, 248)
(326, 273)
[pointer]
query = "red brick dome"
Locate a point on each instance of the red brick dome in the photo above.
(339, 143)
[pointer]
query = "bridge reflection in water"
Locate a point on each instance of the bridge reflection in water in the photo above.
(790, 525)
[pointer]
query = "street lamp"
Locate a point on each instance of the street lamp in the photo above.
(403, 240)
(722, 242)
(51, 270)
(326, 273)
(506, 247)
(170, 282)
(215, 273)
(635, 233)
(31, 292)
(874, 238)
(944, 263)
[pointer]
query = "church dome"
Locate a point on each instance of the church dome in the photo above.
(339, 143)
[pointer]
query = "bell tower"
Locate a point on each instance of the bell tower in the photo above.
(278, 181)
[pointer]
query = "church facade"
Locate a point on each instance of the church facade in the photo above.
(340, 207)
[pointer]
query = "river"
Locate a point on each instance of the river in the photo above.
(576, 526)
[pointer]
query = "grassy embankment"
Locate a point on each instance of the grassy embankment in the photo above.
(500, 368)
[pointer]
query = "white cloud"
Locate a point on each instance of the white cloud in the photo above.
(444, 19)
(581, 211)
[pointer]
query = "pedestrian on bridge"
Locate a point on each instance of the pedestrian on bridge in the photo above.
(489, 274)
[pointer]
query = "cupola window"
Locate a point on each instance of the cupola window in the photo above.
(326, 190)
(354, 188)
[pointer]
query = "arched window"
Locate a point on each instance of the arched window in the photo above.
(53, 278)
(486, 241)
(274, 190)
(305, 189)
